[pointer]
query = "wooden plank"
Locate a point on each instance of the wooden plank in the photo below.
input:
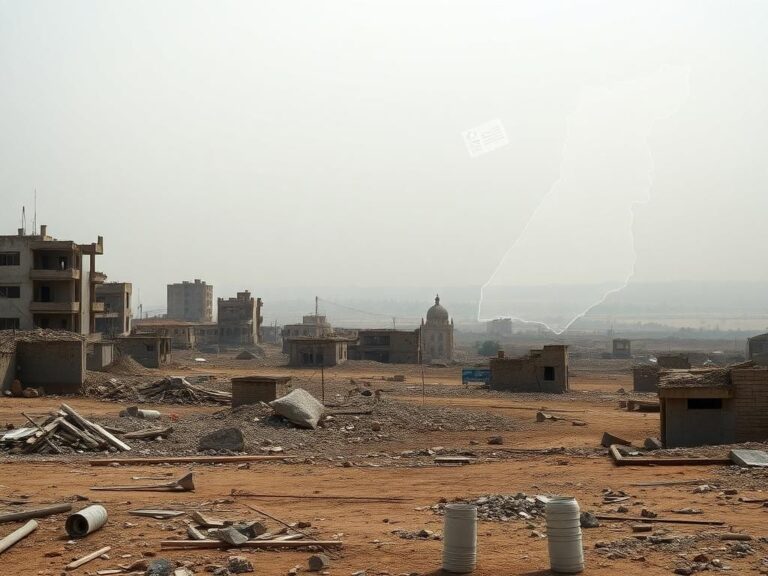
(17, 535)
(185, 460)
(659, 520)
(246, 494)
(192, 544)
(87, 558)
(36, 513)
(88, 425)
(149, 433)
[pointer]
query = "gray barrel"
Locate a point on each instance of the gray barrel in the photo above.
(460, 538)
(86, 521)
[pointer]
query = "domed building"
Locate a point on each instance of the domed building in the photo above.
(437, 334)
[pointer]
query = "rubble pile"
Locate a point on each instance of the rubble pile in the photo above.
(64, 428)
(501, 507)
(172, 390)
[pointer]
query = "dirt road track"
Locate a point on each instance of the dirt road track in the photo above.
(369, 544)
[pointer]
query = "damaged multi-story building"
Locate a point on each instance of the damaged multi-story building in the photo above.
(190, 301)
(116, 318)
(240, 320)
(49, 283)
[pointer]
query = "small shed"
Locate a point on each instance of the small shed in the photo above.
(622, 348)
(714, 406)
(149, 350)
(314, 352)
(255, 389)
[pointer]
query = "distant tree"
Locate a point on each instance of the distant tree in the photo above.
(488, 348)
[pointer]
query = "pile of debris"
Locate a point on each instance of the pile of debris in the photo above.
(501, 507)
(172, 390)
(64, 428)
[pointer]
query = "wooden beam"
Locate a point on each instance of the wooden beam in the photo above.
(36, 513)
(659, 520)
(192, 544)
(17, 535)
(185, 460)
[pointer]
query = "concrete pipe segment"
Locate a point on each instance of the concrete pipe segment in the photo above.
(86, 521)
(460, 538)
(566, 555)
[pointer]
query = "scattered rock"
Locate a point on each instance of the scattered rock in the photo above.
(239, 565)
(160, 567)
(588, 520)
(495, 440)
(318, 562)
(224, 439)
(229, 535)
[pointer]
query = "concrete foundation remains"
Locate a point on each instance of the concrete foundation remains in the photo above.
(544, 370)
(255, 389)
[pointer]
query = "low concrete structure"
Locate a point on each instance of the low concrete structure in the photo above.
(622, 348)
(714, 406)
(183, 334)
(312, 326)
(53, 360)
(757, 349)
(314, 352)
(386, 345)
(544, 370)
(150, 350)
(645, 378)
(673, 361)
(99, 355)
(255, 389)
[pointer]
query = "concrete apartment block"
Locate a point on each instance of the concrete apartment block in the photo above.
(49, 283)
(190, 301)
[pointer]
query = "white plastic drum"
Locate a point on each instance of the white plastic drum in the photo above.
(566, 554)
(460, 538)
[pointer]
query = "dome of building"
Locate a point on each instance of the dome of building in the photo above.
(437, 314)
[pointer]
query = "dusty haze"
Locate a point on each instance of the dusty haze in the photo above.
(302, 144)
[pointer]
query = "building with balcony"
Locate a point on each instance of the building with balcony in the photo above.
(116, 316)
(49, 283)
(190, 301)
(240, 320)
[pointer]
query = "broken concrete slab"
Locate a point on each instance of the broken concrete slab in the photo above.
(610, 439)
(229, 535)
(757, 458)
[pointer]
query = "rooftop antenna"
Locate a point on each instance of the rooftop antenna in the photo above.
(34, 217)
(23, 221)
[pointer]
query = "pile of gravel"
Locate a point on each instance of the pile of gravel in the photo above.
(500, 507)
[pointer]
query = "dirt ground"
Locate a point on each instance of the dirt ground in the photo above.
(367, 528)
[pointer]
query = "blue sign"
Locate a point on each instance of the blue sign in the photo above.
(475, 375)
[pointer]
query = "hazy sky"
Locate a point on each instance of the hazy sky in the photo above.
(259, 144)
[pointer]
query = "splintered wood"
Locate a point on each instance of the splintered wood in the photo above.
(168, 390)
(64, 428)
